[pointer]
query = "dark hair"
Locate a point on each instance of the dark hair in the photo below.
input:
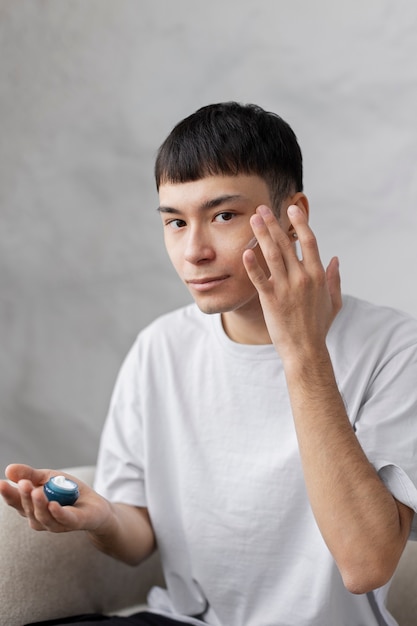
(230, 139)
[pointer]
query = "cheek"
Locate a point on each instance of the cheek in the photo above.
(171, 247)
(261, 260)
(174, 258)
(175, 262)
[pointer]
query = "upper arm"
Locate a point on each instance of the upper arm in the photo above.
(148, 532)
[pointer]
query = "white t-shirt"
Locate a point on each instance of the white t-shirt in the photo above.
(200, 431)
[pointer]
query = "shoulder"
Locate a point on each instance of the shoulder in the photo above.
(165, 342)
(178, 328)
(363, 326)
(363, 314)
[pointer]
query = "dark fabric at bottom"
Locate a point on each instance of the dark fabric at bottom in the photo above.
(92, 619)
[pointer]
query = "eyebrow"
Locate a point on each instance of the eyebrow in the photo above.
(208, 204)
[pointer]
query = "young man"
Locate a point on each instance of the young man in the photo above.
(267, 448)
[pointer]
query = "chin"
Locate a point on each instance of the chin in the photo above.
(211, 306)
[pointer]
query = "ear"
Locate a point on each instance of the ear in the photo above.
(301, 200)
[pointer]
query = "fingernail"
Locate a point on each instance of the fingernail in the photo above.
(256, 220)
(293, 209)
(264, 210)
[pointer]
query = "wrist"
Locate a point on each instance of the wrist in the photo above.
(104, 523)
(307, 361)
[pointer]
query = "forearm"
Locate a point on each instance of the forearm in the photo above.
(126, 534)
(364, 527)
(357, 516)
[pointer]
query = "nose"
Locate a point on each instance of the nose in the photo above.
(199, 248)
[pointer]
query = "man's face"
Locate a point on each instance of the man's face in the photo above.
(206, 230)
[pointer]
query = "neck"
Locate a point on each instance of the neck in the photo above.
(247, 329)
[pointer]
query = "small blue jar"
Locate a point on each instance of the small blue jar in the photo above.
(61, 489)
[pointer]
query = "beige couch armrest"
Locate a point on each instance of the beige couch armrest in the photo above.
(45, 575)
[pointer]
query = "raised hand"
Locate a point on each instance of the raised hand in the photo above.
(299, 298)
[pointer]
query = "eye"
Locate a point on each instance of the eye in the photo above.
(226, 216)
(175, 224)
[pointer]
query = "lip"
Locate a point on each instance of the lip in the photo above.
(206, 284)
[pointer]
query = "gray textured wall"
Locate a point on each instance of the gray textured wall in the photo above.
(89, 89)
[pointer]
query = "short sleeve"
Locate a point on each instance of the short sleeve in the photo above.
(386, 426)
(120, 464)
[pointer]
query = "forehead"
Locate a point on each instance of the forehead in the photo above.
(196, 193)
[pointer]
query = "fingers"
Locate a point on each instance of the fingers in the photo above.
(30, 502)
(43, 514)
(19, 471)
(18, 495)
(254, 270)
(277, 246)
(308, 242)
(333, 283)
(28, 498)
(34, 504)
(11, 495)
(275, 243)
